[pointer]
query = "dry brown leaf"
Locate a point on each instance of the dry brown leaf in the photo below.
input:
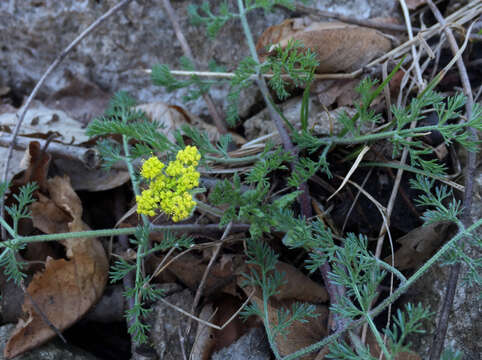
(66, 289)
(298, 286)
(419, 245)
(205, 342)
(35, 165)
(48, 217)
(173, 117)
(299, 335)
(339, 47)
(83, 178)
(189, 269)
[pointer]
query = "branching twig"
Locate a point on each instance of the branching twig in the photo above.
(34, 92)
(441, 331)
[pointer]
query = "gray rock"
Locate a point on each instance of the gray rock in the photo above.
(322, 122)
(32, 34)
(168, 326)
(360, 9)
(252, 346)
(53, 350)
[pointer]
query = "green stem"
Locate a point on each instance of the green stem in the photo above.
(392, 269)
(420, 131)
(8, 228)
(247, 32)
(267, 326)
(379, 339)
(389, 300)
(209, 209)
(107, 232)
(145, 221)
(231, 160)
(73, 235)
(130, 167)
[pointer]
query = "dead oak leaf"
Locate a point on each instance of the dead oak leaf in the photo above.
(339, 47)
(66, 289)
(419, 245)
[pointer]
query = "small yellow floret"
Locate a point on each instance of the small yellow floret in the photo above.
(151, 168)
(169, 190)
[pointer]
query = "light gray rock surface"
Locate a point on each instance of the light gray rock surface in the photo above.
(321, 121)
(252, 346)
(360, 9)
(32, 34)
(168, 325)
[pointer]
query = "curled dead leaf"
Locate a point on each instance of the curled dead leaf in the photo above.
(66, 289)
(419, 245)
(297, 286)
(339, 47)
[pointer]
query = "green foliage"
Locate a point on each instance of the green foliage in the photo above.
(252, 204)
(17, 211)
(442, 206)
(264, 275)
(204, 16)
(204, 145)
(441, 212)
(293, 60)
(406, 323)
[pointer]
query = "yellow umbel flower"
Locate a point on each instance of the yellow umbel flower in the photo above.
(169, 186)
(151, 168)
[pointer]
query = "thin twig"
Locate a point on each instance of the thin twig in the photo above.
(230, 75)
(200, 288)
(181, 342)
(34, 92)
(204, 322)
(88, 157)
(441, 331)
(220, 125)
(312, 12)
(408, 23)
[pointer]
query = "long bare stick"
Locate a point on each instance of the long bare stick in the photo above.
(408, 23)
(34, 92)
(441, 331)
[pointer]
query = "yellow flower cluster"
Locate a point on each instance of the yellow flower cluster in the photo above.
(169, 189)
